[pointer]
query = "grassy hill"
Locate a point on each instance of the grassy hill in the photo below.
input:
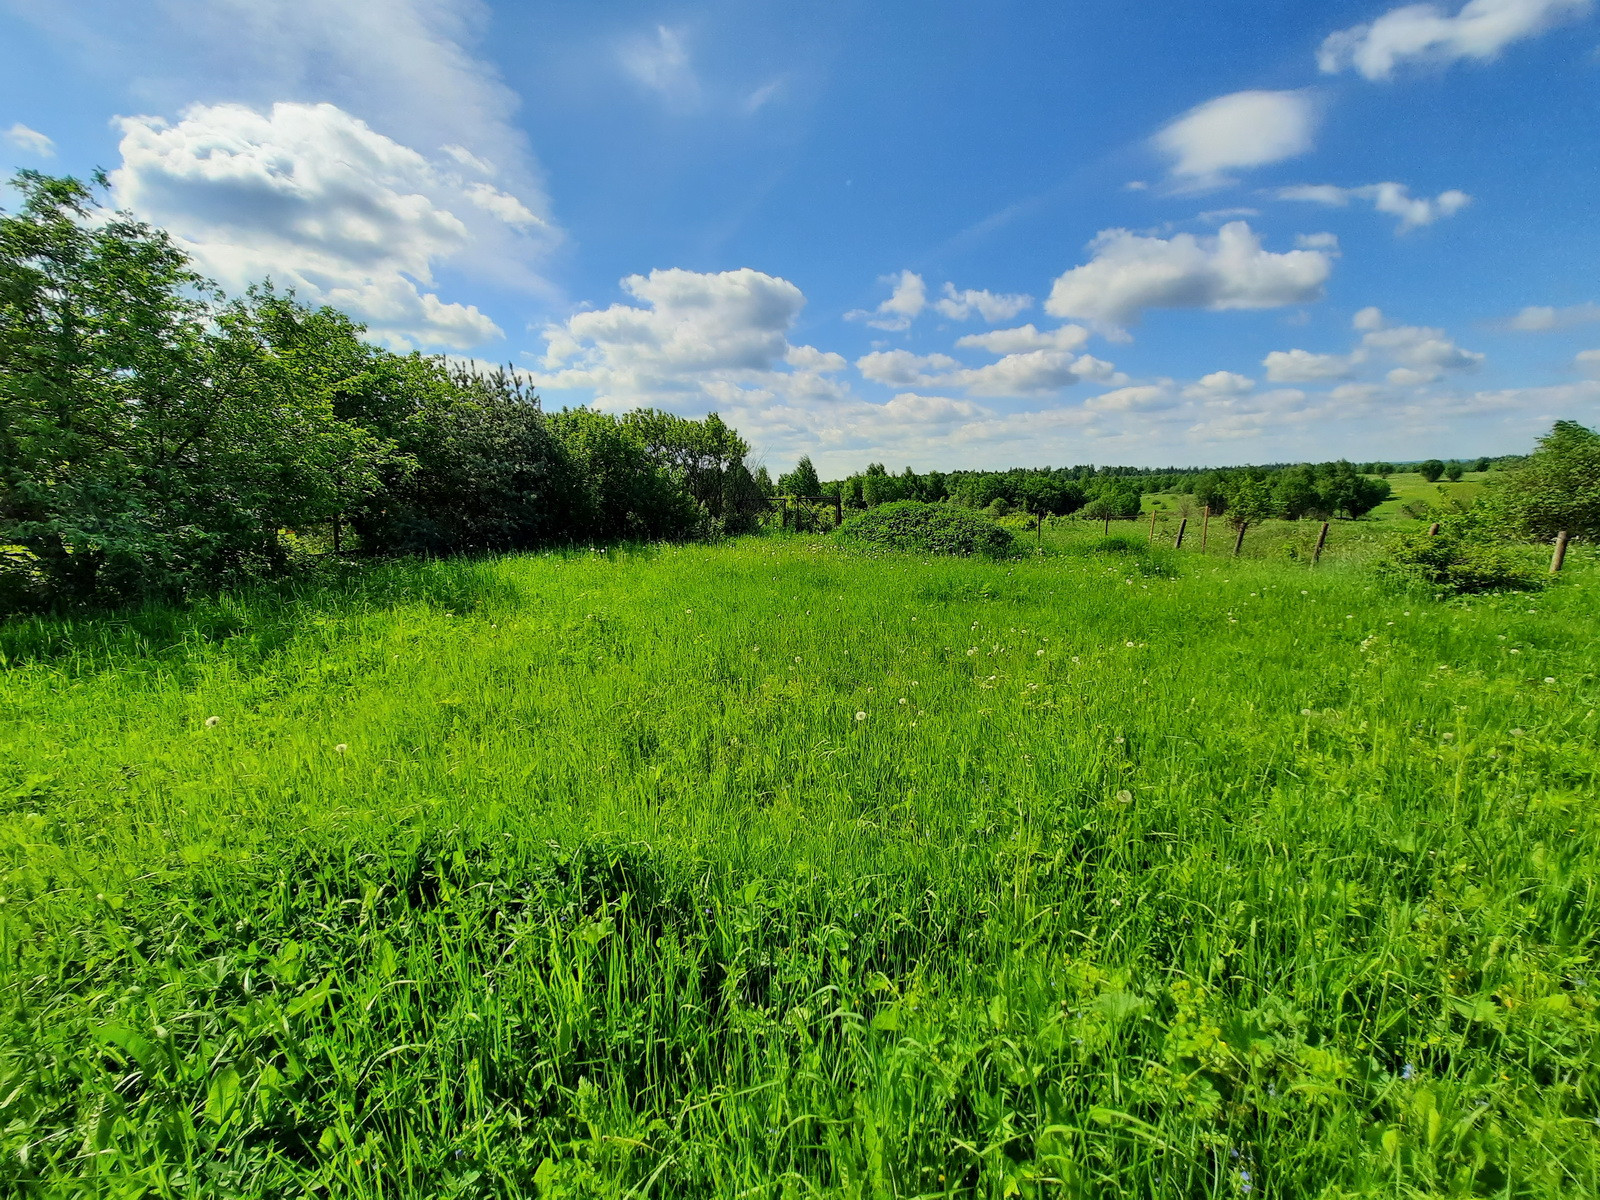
(771, 870)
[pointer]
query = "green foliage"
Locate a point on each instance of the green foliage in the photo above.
(1470, 553)
(159, 439)
(559, 874)
(152, 437)
(1558, 486)
(1432, 470)
(927, 529)
(802, 481)
(1454, 470)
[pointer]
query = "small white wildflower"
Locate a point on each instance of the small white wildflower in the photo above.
(1129, 645)
(797, 658)
(1075, 658)
(1305, 712)
(861, 716)
(1514, 650)
(340, 748)
(971, 650)
(210, 721)
(1124, 797)
(903, 700)
(1549, 678)
(1038, 653)
(1449, 737)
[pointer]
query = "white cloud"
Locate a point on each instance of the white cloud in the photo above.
(901, 368)
(1544, 319)
(319, 201)
(1219, 385)
(1426, 33)
(1146, 397)
(1026, 337)
(30, 140)
(694, 340)
(1588, 361)
(904, 305)
(992, 306)
(661, 64)
(1245, 129)
(405, 68)
(1130, 273)
(1029, 372)
(1302, 366)
(1416, 355)
(1395, 199)
(1423, 354)
(930, 410)
(809, 358)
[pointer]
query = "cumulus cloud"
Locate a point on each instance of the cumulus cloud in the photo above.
(693, 339)
(30, 140)
(1031, 371)
(395, 81)
(319, 201)
(901, 368)
(991, 306)
(1245, 129)
(1426, 33)
(1302, 366)
(904, 305)
(1588, 361)
(1415, 355)
(1394, 199)
(1542, 318)
(1129, 273)
(1219, 385)
(1026, 337)
(1422, 354)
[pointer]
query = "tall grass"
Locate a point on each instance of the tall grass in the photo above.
(769, 870)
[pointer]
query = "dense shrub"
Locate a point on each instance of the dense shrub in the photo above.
(927, 529)
(1470, 553)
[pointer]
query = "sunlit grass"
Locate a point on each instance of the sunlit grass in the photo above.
(770, 870)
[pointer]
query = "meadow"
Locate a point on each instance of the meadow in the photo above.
(766, 869)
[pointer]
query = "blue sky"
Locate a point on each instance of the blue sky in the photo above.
(929, 234)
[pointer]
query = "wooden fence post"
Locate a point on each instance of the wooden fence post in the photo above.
(783, 515)
(1108, 524)
(1182, 525)
(1205, 527)
(1151, 536)
(1038, 533)
(838, 510)
(1559, 558)
(1238, 542)
(1322, 540)
(1433, 530)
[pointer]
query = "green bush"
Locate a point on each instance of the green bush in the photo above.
(927, 529)
(1470, 553)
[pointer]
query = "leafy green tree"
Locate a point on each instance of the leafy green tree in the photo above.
(1249, 501)
(623, 491)
(1454, 470)
(802, 481)
(1557, 487)
(1480, 465)
(1432, 470)
(152, 437)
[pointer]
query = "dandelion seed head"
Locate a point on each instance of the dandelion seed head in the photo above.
(340, 748)
(861, 716)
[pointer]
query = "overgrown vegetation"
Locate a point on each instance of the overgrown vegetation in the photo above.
(764, 870)
(160, 439)
(927, 529)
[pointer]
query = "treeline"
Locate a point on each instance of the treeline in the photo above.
(157, 437)
(1252, 493)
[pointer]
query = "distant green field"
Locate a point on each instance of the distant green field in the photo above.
(768, 870)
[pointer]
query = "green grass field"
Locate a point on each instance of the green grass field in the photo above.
(768, 870)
